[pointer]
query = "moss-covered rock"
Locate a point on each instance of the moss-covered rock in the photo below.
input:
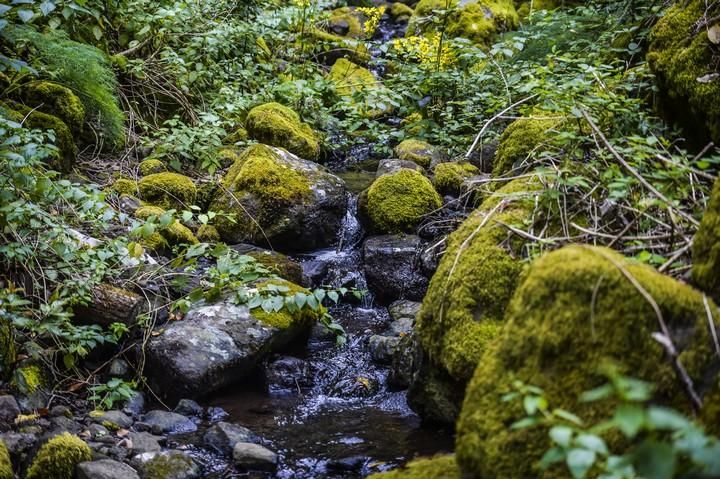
(8, 354)
(279, 264)
(330, 47)
(278, 125)
(208, 234)
(576, 309)
(463, 309)
(400, 12)
(175, 233)
(279, 200)
(151, 166)
(684, 62)
(168, 190)
(6, 469)
(449, 177)
(58, 457)
(420, 152)
(521, 138)
(359, 86)
(706, 247)
(124, 186)
(55, 100)
(476, 20)
(63, 137)
(439, 467)
(397, 202)
(346, 21)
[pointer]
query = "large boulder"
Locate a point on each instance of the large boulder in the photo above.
(683, 58)
(359, 88)
(419, 152)
(397, 202)
(476, 20)
(278, 125)
(576, 309)
(219, 344)
(449, 178)
(54, 99)
(392, 267)
(280, 200)
(464, 306)
(520, 139)
(168, 190)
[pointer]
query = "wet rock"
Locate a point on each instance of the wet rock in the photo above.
(314, 271)
(115, 417)
(276, 262)
(392, 269)
(382, 348)
(105, 469)
(287, 374)
(60, 424)
(119, 368)
(223, 436)
(9, 410)
(20, 445)
(405, 363)
(254, 457)
(349, 464)
(188, 407)
(393, 165)
(354, 387)
(404, 309)
(215, 414)
(484, 156)
(168, 422)
(135, 406)
(57, 411)
(97, 430)
(166, 465)
(215, 346)
(142, 442)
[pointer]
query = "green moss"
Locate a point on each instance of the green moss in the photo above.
(706, 247)
(56, 100)
(284, 319)
(58, 457)
(8, 354)
(519, 140)
(175, 233)
(278, 125)
(418, 151)
(463, 309)
(352, 80)
(28, 379)
(164, 466)
(678, 56)
(397, 202)
(279, 264)
(240, 134)
(335, 46)
(265, 174)
(527, 7)
(168, 190)
(439, 467)
(208, 234)
(575, 310)
(151, 166)
(124, 186)
(400, 11)
(347, 15)
(449, 177)
(476, 20)
(155, 242)
(42, 121)
(6, 470)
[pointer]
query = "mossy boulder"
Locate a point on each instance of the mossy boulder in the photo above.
(706, 247)
(58, 457)
(168, 190)
(278, 125)
(55, 100)
(279, 200)
(400, 12)
(29, 385)
(124, 186)
(63, 137)
(8, 353)
(174, 234)
(576, 309)
(208, 234)
(439, 467)
(396, 203)
(277, 263)
(463, 309)
(684, 61)
(330, 47)
(420, 152)
(359, 87)
(449, 177)
(6, 469)
(476, 20)
(151, 166)
(346, 21)
(521, 138)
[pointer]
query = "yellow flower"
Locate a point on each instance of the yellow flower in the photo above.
(372, 18)
(426, 50)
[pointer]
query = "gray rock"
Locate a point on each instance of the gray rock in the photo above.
(404, 309)
(135, 405)
(61, 411)
(105, 469)
(393, 165)
(97, 430)
(115, 417)
(9, 409)
(20, 445)
(392, 268)
(223, 436)
(166, 465)
(142, 442)
(168, 422)
(254, 457)
(405, 363)
(287, 374)
(214, 346)
(188, 407)
(382, 348)
(215, 414)
(119, 368)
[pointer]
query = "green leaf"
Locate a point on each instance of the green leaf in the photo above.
(25, 15)
(656, 460)
(592, 442)
(629, 418)
(579, 461)
(561, 435)
(666, 419)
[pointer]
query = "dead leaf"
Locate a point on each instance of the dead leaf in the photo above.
(714, 34)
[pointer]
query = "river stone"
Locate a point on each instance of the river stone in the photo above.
(254, 457)
(105, 469)
(404, 309)
(168, 422)
(405, 363)
(9, 410)
(166, 465)
(135, 405)
(392, 269)
(213, 347)
(287, 374)
(223, 436)
(142, 442)
(393, 165)
(116, 417)
(382, 348)
(188, 407)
